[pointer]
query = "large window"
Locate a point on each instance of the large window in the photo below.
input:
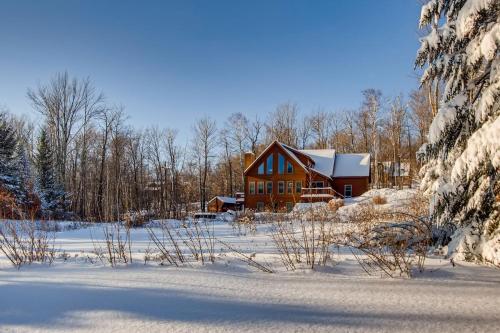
(281, 164)
(298, 186)
(289, 167)
(260, 170)
(260, 187)
(348, 191)
(251, 187)
(281, 187)
(269, 187)
(269, 165)
(260, 206)
(289, 187)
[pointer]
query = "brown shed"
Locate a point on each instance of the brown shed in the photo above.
(222, 204)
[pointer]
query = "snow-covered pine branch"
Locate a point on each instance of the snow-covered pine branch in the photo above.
(463, 153)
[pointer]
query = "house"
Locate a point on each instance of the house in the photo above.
(222, 204)
(282, 176)
(395, 173)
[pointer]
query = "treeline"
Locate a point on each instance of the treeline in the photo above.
(84, 161)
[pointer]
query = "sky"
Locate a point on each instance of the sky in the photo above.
(172, 62)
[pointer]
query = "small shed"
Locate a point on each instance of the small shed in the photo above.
(222, 204)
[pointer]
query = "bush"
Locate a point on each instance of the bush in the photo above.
(23, 243)
(379, 200)
(335, 204)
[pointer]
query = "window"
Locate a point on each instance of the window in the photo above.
(269, 187)
(281, 187)
(289, 188)
(251, 187)
(260, 206)
(289, 167)
(317, 184)
(298, 186)
(289, 206)
(260, 187)
(269, 165)
(347, 191)
(281, 164)
(260, 170)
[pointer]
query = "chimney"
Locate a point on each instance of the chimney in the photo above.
(249, 158)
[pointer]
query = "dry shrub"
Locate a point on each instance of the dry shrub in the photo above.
(389, 241)
(136, 219)
(245, 222)
(303, 237)
(116, 247)
(335, 204)
(25, 242)
(379, 200)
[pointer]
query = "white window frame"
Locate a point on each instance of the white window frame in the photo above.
(281, 182)
(251, 188)
(263, 188)
(346, 186)
(269, 182)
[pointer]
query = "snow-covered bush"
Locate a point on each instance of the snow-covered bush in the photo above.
(462, 156)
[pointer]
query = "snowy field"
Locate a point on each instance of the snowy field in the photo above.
(80, 294)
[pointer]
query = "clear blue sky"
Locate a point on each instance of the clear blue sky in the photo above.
(169, 62)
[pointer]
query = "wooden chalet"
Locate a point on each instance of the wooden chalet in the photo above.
(282, 176)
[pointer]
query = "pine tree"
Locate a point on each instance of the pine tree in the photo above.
(9, 180)
(50, 192)
(24, 194)
(462, 155)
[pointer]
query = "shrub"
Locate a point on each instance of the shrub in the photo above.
(379, 200)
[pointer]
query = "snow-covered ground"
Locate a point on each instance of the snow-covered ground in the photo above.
(88, 296)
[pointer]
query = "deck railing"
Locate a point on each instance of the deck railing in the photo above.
(317, 191)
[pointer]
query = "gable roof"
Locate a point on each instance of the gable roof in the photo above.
(325, 162)
(228, 200)
(288, 151)
(352, 165)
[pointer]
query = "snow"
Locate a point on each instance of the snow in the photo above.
(324, 160)
(352, 165)
(445, 116)
(229, 200)
(78, 295)
(482, 146)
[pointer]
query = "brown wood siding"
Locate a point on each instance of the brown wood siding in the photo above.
(359, 185)
(279, 200)
(217, 205)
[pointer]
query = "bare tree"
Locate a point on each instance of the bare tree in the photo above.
(64, 102)
(395, 127)
(237, 131)
(282, 124)
(254, 133)
(321, 128)
(204, 142)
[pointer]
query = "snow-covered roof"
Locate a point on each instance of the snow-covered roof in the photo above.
(352, 165)
(228, 200)
(324, 160)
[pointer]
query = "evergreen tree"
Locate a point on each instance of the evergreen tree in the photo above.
(462, 155)
(9, 180)
(24, 194)
(51, 194)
